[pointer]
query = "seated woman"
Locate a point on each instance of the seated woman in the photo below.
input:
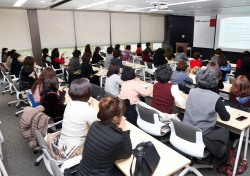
(159, 58)
(109, 57)
(27, 74)
(214, 66)
(113, 140)
(180, 77)
(225, 67)
(74, 66)
(146, 56)
(169, 53)
(16, 64)
(240, 91)
(138, 51)
(203, 105)
(117, 60)
(96, 56)
(180, 55)
(52, 99)
(4, 54)
(113, 80)
(56, 61)
(127, 55)
(196, 62)
(46, 60)
(131, 90)
(164, 93)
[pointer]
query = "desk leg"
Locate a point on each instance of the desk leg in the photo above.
(144, 74)
(246, 144)
(238, 152)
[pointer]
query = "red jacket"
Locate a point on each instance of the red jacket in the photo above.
(194, 63)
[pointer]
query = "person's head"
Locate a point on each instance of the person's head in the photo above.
(182, 66)
(163, 73)
(113, 69)
(222, 60)
(138, 45)
(45, 51)
(246, 54)
(29, 61)
(87, 49)
(50, 81)
(117, 47)
(180, 49)
(160, 51)
(116, 53)
(80, 90)
(128, 73)
(111, 110)
(97, 49)
(218, 51)
(76, 53)
(196, 55)
(206, 79)
(169, 48)
(148, 44)
(128, 47)
(110, 50)
(15, 56)
(4, 50)
(55, 53)
(214, 66)
(13, 51)
(240, 87)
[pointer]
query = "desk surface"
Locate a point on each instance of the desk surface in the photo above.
(133, 65)
(101, 71)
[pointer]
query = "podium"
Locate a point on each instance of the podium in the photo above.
(184, 45)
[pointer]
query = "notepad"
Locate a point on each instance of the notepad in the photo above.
(229, 109)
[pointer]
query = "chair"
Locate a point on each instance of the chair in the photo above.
(4, 73)
(58, 69)
(10, 79)
(31, 100)
(148, 120)
(2, 168)
(189, 140)
(55, 169)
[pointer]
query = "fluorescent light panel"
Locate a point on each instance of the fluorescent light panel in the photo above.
(187, 2)
(95, 4)
(19, 3)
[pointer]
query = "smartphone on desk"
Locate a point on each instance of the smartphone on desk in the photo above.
(241, 118)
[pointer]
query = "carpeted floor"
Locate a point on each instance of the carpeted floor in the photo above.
(19, 159)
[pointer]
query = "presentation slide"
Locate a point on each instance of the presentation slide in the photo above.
(233, 33)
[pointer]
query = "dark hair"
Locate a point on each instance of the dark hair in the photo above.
(169, 48)
(206, 79)
(160, 51)
(113, 69)
(80, 90)
(29, 61)
(246, 54)
(97, 49)
(128, 47)
(182, 66)
(163, 73)
(180, 49)
(214, 66)
(45, 51)
(147, 44)
(218, 51)
(50, 83)
(47, 73)
(117, 47)
(54, 54)
(110, 50)
(4, 51)
(15, 56)
(240, 87)
(87, 49)
(116, 53)
(138, 45)
(222, 60)
(197, 55)
(86, 57)
(109, 108)
(12, 52)
(76, 53)
(128, 73)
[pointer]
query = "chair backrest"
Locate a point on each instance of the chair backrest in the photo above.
(55, 169)
(150, 65)
(3, 71)
(187, 138)
(147, 114)
(42, 143)
(97, 92)
(142, 62)
(9, 79)
(31, 100)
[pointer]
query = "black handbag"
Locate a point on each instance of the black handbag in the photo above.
(147, 159)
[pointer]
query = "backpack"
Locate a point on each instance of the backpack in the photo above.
(147, 159)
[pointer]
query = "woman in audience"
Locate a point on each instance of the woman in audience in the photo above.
(225, 67)
(245, 55)
(46, 58)
(87, 51)
(180, 55)
(196, 62)
(117, 60)
(16, 64)
(9, 58)
(148, 48)
(214, 66)
(201, 111)
(87, 70)
(180, 77)
(109, 57)
(217, 53)
(113, 140)
(164, 93)
(169, 53)
(27, 74)
(52, 99)
(74, 66)
(240, 91)
(131, 90)
(56, 61)
(96, 56)
(127, 55)
(138, 51)
(117, 47)
(4, 54)
(78, 115)
(146, 56)
(113, 80)
(159, 58)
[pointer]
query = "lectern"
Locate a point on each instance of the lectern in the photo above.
(184, 45)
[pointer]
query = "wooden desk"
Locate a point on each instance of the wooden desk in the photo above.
(101, 71)
(170, 62)
(133, 65)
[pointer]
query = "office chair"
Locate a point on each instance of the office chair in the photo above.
(2, 168)
(9, 79)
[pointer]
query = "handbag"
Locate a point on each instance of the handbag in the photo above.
(147, 159)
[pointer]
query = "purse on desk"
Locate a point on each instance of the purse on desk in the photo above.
(147, 159)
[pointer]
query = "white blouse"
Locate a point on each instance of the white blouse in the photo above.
(112, 84)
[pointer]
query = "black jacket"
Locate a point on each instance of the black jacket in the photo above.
(26, 82)
(96, 58)
(103, 146)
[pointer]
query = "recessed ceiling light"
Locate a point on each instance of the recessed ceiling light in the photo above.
(243, 1)
(191, 6)
(19, 3)
(95, 4)
(187, 2)
(42, 1)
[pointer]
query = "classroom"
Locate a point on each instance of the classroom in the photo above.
(84, 82)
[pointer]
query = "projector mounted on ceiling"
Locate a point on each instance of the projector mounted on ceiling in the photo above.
(160, 6)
